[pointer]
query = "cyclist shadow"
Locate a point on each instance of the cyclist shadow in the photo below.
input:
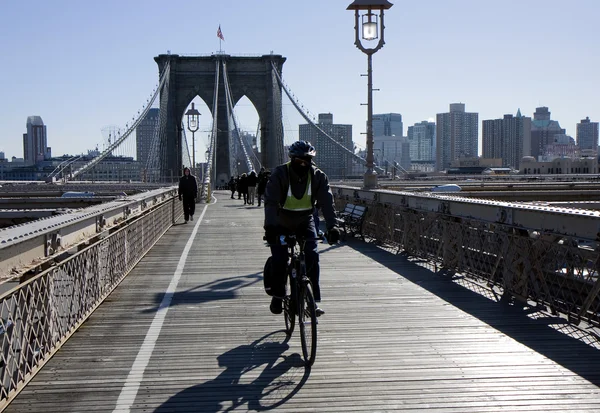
(282, 377)
(223, 289)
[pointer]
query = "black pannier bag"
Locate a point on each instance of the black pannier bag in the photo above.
(268, 276)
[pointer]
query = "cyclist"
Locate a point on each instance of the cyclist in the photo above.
(290, 197)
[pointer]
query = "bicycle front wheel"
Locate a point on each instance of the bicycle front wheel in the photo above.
(307, 319)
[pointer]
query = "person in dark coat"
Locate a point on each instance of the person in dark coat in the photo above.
(238, 186)
(232, 186)
(291, 194)
(188, 192)
(251, 181)
(243, 187)
(263, 178)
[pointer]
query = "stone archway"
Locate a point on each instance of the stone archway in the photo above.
(253, 77)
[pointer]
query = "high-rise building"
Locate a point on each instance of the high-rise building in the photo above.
(421, 138)
(508, 139)
(543, 130)
(388, 124)
(456, 135)
(331, 158)
(388, 150)
(145, 133)
(587, 135)
(35, 142)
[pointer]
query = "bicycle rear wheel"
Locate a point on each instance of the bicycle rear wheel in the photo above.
(288, 315)
(307, 319)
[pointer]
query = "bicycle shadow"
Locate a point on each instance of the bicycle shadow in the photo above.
(223, 289)
(281, 379)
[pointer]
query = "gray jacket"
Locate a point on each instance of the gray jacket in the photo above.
(276, 193)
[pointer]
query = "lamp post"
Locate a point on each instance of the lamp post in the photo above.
(370, 30)
(193, 123)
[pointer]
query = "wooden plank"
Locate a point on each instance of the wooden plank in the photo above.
(395, 337)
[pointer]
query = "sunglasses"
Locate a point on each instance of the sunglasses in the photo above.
(302, 161)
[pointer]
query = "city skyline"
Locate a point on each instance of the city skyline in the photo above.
(80, 76)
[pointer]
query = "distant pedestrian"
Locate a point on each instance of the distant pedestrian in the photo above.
(251, 181)
(243, 187)
(238, 186)
(263, 178)
(232, 186)
(188, 192)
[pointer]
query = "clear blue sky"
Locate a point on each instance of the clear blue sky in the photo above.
(84, 65)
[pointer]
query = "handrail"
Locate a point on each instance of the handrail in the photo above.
(39, 315)
(546, 255)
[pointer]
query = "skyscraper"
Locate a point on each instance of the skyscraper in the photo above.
(587, 135)
(456, 135)
(543, 130)
(333, 160)
(144, 135)
(388, 124)
(508, 139)
(35, 143)
(421, 137)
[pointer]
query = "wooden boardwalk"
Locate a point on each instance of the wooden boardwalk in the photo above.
(396, 337)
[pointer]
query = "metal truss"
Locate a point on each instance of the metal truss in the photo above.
(535, 254)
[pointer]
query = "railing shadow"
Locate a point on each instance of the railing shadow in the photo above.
(552, 336)
(223, 289)
(280, 379)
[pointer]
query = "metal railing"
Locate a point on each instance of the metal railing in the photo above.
(38, 316)
(557, 270)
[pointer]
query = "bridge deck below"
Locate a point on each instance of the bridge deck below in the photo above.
(395, 337)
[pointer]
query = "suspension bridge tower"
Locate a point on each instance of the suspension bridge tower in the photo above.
(207, 77)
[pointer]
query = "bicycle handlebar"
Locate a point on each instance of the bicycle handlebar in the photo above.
(291, 239)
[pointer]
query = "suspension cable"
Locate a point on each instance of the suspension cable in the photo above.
(230, 113)
(210, 160)
(310, 121)
(128, 132)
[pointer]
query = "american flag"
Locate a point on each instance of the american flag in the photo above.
(220, 33)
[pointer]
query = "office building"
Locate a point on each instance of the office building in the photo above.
(421, 138)
(145, 134)
(543, 130)
(391, 150)
(456, 135)
(35, 143)
(388, 124)
(508, 139)
(331, 157)
(587, 136)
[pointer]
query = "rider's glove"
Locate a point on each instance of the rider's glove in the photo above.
(333, 235)
(271, 235)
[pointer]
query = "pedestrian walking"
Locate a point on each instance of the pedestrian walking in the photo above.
(251, 181)
(188, 192)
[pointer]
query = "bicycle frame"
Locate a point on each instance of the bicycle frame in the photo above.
(300, 301)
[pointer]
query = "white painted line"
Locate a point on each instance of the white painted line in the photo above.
(136, 374)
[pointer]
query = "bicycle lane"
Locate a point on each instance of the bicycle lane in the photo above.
(215, 349)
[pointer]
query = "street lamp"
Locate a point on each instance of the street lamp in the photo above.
(193, 123)
(369, 30)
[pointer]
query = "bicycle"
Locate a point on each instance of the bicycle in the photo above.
(300, 301)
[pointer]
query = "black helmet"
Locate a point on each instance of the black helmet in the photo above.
(302, 149)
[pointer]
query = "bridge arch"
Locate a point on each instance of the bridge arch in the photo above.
(253, 77)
